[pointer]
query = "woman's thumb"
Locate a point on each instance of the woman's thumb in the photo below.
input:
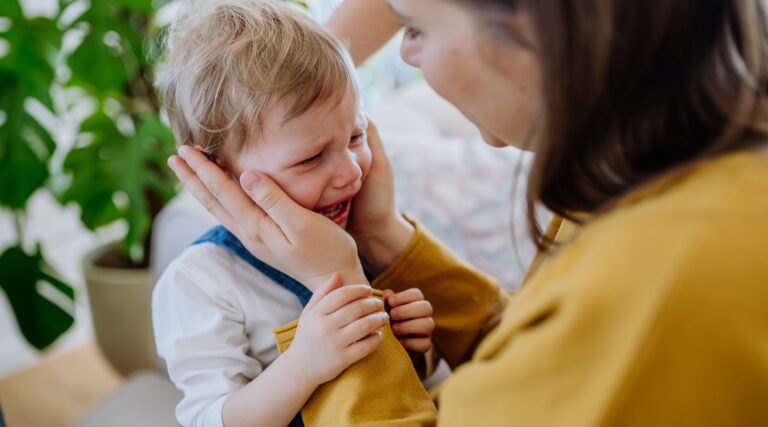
(325, 289)
(270, 198)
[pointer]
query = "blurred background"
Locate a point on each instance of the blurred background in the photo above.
(90, 214)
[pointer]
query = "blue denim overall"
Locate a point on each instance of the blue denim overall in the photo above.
(221, 236)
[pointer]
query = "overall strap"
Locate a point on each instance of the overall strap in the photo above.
(221, 236)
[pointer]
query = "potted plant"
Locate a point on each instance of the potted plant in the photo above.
(115, 172)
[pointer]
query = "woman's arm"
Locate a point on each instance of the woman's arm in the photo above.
(467, 304)
(365, 25)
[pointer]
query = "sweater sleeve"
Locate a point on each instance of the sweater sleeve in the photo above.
(467, 303)
(382, 389)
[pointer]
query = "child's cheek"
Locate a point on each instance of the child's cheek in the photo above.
(300, 192)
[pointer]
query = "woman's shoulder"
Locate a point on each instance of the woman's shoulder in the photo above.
(704, 187)
(724, 197)
(680, 260)
(705, 230)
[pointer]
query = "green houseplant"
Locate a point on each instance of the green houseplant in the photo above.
(116, 171)
(25, 150)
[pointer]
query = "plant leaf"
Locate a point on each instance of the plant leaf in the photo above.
(95, 66)
(113, 166)
(25, 72)
(102, 68)
(41, 321)
(136, 5)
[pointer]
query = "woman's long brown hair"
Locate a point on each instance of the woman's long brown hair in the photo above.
(634, 89)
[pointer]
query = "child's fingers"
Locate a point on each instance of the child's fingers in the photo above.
(342, 296)
(406, 296)
(387, 293)
(356, 310)
(324, 290)
(412, 310)
(418, 345)
(363, 327)
(363, 347)
(421, 326)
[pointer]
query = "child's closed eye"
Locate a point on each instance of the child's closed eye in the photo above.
(310, 160)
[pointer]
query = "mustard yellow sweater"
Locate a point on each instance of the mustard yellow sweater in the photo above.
(655, 313)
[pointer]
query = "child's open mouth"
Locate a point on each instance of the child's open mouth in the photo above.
(338, 212)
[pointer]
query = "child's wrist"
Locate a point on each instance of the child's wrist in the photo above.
(354, 276)
(298, 373)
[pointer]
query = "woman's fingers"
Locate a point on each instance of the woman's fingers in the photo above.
(220, 188)
(192, 182)
(411, 311)
(421, 327)
(274, 228)
(418, 345)
(379, 157)
(286, 213)
(405, 297)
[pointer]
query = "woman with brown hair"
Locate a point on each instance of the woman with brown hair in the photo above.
(648, 304)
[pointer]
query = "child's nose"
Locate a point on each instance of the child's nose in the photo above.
(348, 172)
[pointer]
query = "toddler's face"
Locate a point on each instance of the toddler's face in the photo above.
(319, 159)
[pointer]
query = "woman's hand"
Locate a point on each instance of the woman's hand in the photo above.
(412, 320)
(303, 244)
(339, 326)
(379, 230)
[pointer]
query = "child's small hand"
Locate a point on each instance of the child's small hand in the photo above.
(412, 320)
(339, 326)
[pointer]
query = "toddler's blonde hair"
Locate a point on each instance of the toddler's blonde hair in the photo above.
(228, 61)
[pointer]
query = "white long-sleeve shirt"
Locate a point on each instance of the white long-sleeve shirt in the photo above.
(213, 315)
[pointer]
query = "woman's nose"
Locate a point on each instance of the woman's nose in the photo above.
(347, 172)
(410, 54)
